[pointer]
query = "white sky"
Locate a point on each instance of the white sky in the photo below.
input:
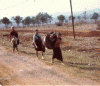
(9, 8)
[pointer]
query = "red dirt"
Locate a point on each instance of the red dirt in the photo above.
(65, 32)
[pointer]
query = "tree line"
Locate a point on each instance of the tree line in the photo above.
(43, 18)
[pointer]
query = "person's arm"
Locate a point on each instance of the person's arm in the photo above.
(44, 39)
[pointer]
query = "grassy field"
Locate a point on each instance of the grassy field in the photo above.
(81, 56)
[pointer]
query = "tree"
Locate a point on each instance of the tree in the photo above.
(18, 20)
(33, 20)
(84, 16)
(42, 18)
(5, 21)
(61, 18)
(95, 16)
(48, 18)
(38, 18)
(27, 21)
(70, 17)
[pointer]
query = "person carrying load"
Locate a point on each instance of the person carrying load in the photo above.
(38, 43)
(13, 36)
(53, 41)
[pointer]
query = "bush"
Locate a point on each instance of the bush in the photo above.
(59, 24)
(98, 25)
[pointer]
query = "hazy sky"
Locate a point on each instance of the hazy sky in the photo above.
(10, 8)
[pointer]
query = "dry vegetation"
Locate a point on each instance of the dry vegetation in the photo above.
(98, 24)
(81, 56)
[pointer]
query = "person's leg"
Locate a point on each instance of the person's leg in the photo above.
(52, 60)
(13, 48)
(62, 62)
(36, 53)
(17, 49)
(42, 54)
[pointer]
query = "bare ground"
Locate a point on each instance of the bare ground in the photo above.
(18, 69)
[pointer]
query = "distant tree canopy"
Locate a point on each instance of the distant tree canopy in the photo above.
(95, 16)
(42, 18)
(5, 21)
(61, 18)
(26, 21)
(70, 17)
(18, 20)
(84, 15)
(33, 20)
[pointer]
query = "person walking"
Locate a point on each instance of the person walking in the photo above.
(38, 43)
(57, 50)
(13, 36)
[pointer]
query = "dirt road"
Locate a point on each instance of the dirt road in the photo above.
(18, 69)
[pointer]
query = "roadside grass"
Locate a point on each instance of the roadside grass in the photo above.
(4, 77)
(78, 60)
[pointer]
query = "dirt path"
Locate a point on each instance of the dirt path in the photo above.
(18, 69)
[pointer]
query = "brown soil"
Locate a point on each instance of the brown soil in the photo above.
(18, 69)
(85, 33)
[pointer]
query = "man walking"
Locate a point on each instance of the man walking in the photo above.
(13, 36)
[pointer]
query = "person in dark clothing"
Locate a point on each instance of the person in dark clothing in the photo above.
(49, 40)
(38, 43)
(13, 33)
(57, 50)
(13, 36)
(53, 39)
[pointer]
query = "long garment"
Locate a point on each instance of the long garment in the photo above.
(57, 50)
(57, 53)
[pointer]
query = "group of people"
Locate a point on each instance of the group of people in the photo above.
(52, 41)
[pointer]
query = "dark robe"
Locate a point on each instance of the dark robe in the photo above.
(57, 50)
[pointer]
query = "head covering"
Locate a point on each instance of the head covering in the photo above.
(12, 26)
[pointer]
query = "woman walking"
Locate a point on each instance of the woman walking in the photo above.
(38, 43)
(57, 50)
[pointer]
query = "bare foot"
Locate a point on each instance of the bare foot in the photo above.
(62, 63)
(42, 57)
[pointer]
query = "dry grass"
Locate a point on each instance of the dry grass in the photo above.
(81, 56)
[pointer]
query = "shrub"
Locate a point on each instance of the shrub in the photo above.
(98, 25)
(59, 24)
